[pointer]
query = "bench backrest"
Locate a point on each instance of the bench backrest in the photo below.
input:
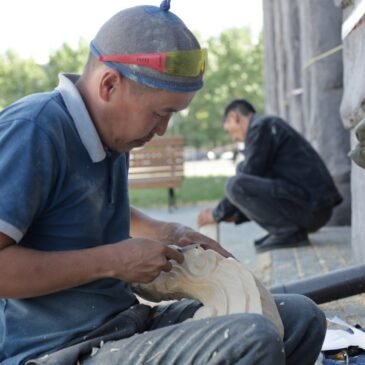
(159, 163)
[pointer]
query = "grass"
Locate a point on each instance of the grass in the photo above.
(193, 191)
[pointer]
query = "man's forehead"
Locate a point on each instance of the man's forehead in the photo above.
(174, 102)
(231, 115)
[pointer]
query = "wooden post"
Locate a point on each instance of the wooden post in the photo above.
(211, 231)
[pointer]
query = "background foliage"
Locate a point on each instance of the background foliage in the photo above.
(234, 71)
(20, 77)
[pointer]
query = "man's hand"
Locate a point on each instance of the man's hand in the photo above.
(205, 217)
(140, 260)
(27, 273)
(191, 237)
(170, 233)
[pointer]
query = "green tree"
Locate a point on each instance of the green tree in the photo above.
(66, 59)
(19, 77)
(234, 71)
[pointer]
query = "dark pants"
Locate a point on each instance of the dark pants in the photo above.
(275, 205)
(156, 336)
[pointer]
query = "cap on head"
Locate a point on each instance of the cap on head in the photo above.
(147, 30)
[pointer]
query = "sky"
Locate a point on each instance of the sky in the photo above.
(34, 28)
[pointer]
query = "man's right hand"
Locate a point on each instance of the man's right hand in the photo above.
(140, 260)
(27, 273)
(205, 217)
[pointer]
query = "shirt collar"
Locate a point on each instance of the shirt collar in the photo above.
(81, 117)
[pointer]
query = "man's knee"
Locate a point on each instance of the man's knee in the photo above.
(257, 335)
(238, 188)
(311, 319)
(316, 319)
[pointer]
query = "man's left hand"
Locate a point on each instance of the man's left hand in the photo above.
(188, 237)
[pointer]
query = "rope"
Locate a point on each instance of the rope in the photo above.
(321, 56)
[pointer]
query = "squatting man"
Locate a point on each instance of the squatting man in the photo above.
(282, 184)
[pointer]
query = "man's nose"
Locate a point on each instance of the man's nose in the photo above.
(161, 127)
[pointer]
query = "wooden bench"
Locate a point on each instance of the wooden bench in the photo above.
(158, 164)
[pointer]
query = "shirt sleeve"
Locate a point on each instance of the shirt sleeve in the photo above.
(226, 209)
(27, 173)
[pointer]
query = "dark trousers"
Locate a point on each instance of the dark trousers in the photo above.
(162, 335)
(275, 205)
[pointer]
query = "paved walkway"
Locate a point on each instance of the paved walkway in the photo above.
(330, 250)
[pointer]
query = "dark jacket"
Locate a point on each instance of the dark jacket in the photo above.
(273, 149)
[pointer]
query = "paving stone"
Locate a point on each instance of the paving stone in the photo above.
(308, 263)
(284, 266)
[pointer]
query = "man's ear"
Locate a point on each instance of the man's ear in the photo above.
(108, 84)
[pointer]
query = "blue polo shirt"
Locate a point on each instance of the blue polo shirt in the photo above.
(59, 190)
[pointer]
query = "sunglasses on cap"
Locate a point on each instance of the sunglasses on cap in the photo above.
(190, 63)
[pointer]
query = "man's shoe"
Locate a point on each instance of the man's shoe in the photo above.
(272, 241)
(260, 240)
